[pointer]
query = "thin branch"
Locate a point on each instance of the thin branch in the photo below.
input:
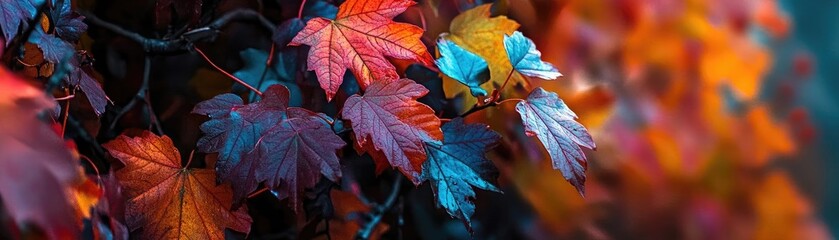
(477, 107)
(240, 81)
(379, 212)
(141, 93)
(185, 40)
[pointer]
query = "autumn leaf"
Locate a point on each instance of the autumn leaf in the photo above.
(361, 36)
(93, 91)
(295, 153)
(461, 65)
(167, 200)
(547, 117)
(15, 15)
(36, 168)
(476, 32)
(526, 59)
(233, 130)
(392, 126)
(267, 141)
(69, 25)
(458, 163)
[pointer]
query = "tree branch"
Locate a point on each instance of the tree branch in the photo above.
(183, 42)
(378, 213)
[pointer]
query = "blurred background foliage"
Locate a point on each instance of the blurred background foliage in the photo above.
(714, 119)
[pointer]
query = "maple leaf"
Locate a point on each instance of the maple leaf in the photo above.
(55, 50)
(93, 91)
(36, 168)
(359, 38)
(15, 15)
(267, 141)
(526, 59)
(462, 65)
(547, 117)
(457, 164)
(476, 32)
(295, 153)
(68, 24)
(167, 200)
(392, 126)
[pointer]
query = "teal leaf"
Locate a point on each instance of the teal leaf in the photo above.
(462, 65)
(254, 66)
(458, 164)
(526, 59)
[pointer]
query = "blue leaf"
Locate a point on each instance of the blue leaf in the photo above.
(459, 163)
(15, 15)
(68, 25)
(254, 66)
(547, 117)
(526, 59)
(54, 48)
(461, 65)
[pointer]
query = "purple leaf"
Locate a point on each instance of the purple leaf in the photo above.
(547, 117)
(287, 148)
(392, 126)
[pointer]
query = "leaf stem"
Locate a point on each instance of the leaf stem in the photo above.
(300, 11)
(225, 72)
(265, 71)
(260, 191)
(66, 114)
(497, 93)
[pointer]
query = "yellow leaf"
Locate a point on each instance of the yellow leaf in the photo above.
(475, 31)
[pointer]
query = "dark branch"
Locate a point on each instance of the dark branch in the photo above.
(378, 213)
(183, 42)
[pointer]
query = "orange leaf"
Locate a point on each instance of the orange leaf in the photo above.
(170, 201)
(359, 38)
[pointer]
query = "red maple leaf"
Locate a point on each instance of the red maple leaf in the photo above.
(359, 38)
(392, 126)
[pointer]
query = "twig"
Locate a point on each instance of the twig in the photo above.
(240, 81)
(185, 40)
(141, 93)
(477, 107)
(378, 213)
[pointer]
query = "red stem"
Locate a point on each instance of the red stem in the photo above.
(226, 73)
(300, 12)
(66, 114)
(261, 190)
(503, 85)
